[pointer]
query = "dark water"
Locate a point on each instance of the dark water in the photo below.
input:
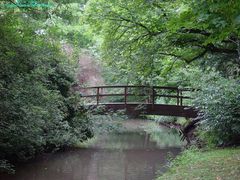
(127, 156)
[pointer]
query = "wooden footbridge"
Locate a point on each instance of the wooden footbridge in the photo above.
(136, 100)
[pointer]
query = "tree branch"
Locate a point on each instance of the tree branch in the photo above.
(197, 57)
(137, 23)
(195, 31)
(170, 54)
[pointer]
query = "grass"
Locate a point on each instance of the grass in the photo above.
(216, 164)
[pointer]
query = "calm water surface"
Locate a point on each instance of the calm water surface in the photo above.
(126, 156)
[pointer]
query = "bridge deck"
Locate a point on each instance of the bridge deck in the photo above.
(148, 109)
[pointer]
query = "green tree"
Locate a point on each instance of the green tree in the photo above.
(143, 33)
(39, 109)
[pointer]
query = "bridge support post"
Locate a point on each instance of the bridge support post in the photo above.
(177, 96)
(153, 96)
(97, 95)
(125, 96)
(181, 99)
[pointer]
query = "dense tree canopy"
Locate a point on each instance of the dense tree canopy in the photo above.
(162, 33)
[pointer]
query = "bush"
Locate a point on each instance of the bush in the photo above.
(219, 100)
(38, 110)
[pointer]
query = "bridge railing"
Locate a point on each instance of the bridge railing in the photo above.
(151, 92)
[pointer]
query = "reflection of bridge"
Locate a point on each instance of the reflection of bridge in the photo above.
(154, 100)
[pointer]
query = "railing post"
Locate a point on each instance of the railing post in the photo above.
(177, 96)
(125, 95)
(97, 95)
(153, 96)
(181, 98)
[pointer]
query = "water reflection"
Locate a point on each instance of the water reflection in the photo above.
(127, 156)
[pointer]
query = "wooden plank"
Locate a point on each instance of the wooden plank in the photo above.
(138, 86)
(173, 96)
(156, 95)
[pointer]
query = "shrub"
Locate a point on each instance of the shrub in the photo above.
(38, 110)
(219, 100)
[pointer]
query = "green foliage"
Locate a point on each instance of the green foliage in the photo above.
(39, 111)
(107, 123)
(218, 98)
(164, 137)
(66, 25)
(153, 38)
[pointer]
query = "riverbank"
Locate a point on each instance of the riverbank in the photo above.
(219, 164)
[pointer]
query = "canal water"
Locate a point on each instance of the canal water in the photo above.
(122, 156)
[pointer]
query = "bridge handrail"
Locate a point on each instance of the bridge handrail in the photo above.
(138, 86)
(106, 95)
